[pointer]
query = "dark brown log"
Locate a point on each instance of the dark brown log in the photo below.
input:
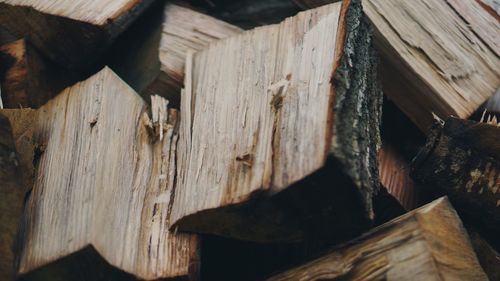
(72, 33)
(487, 256)
(429, 243)
(11, 199)
(462, 159)
(28, 79)
(288, 146)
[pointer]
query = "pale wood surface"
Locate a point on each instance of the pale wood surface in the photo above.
(72, 33)
(150, 56)
(447, 50)
(183, 30)
(429, 243)
(258, 117)
(93, 11)
(243, 95)
(105, 180)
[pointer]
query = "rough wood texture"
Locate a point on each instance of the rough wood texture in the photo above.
(105, 176)
(429, 243)
(27, 79)
(446, 49)
(266, 109)
(155, 63)
(70, 32)
(395, 176)
(11, 199)
(462, 159)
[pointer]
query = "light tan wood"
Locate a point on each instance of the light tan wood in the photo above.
(104, 181)
(257, 118)
(429, 243)
(73, 33)
(183, 30)
(150, 56)
(446, 49)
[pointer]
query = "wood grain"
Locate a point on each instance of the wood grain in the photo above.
(446, 49)
(429, 243)
(395, 176)
(103, 187)
(258, 116)
(72, 33)
(151, 55)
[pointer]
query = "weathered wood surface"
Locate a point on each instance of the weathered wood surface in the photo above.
(103, 187)
(71, 32)
(154, 63)
(11, 199)
(429, 243)
(446, 49)
(262, 111)
(462, 159)
(27, 79)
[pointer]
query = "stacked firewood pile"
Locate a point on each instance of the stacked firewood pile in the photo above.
(249, 140)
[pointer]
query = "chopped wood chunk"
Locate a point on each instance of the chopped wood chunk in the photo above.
(279, 130)
(446, 50)
(71, 32)
(429, 243)
(154, 64)
(103, 188)
(462, 159)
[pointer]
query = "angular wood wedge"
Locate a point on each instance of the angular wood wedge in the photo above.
(102, 194)
(150, 56)
(279, 130)
(429, 243)
(70, 32)
(443, 55)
